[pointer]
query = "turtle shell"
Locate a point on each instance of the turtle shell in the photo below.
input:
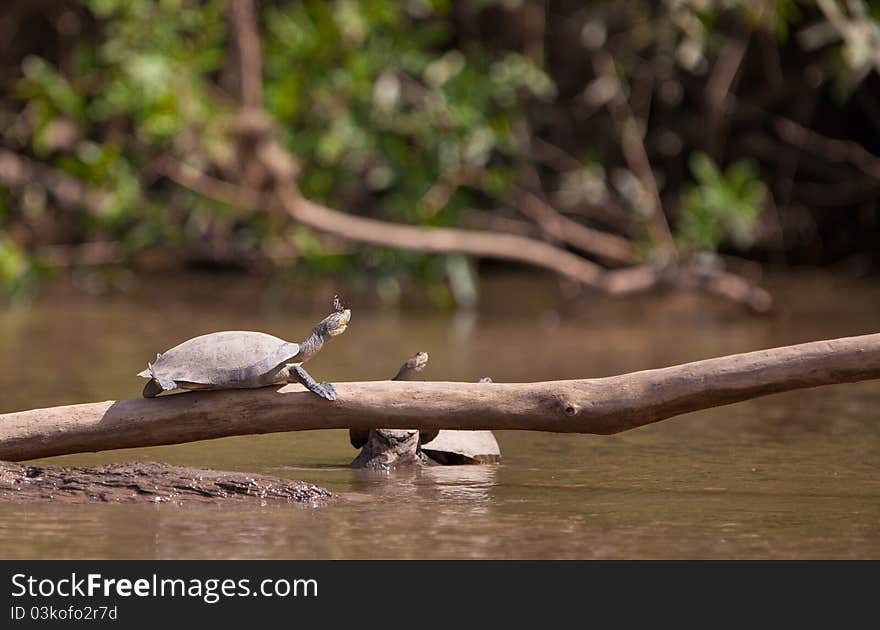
(233, 357)
(463, 447)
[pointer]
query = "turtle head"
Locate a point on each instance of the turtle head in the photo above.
(417, 361)
(331, 326)
(334, 324)
(411, 367)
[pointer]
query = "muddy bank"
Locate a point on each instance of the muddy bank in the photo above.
(147, 482)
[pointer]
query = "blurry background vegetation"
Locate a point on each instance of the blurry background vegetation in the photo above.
(761, 121)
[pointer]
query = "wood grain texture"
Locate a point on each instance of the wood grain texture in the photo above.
(599, 406)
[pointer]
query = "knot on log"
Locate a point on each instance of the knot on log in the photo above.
(571, 409)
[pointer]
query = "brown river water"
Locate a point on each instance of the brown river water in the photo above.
(793, 475)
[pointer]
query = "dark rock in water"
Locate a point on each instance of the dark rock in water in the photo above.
(147, 482)
(463, 447)
(389, 448)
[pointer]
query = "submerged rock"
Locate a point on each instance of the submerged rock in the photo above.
(147, 482)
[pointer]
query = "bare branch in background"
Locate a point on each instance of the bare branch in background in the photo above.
(253, 123)
(724, 284)
(210, 187)
(475, 243)
(635, 155)
(494, 222)
(250, 59)
(481, 244)
(17, 171)
(717, 90)
(439, 194)
(610, 211)
(534, 17)
(828, 148)
(608, 247)
(553, 156)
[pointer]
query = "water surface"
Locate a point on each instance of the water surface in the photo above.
(793, 475)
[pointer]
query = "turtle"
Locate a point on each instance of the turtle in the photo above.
(240, 359)
(407, 372)
(388, 448)
(463, 447)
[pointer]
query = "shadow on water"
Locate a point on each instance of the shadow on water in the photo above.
(789, 476)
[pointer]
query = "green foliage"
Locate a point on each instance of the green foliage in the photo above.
(154, 65)
(391, 115)
(18, 270)
(720, 206)
(402, 110)
(373, 97)
(393, 111)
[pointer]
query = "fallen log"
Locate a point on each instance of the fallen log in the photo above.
(599, 406)
(148, 482)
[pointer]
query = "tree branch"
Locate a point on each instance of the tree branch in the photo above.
(724, 284)
(635, 154)
(718, 87)
(250, 62)
(477, 243)
(600, 406)
(480, 244)
(210, 187)
(828, 148)
(17, 171)
(609, 247)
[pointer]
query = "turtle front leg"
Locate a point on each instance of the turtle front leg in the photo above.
(156, 386)
(324, 390)
(152, 389)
